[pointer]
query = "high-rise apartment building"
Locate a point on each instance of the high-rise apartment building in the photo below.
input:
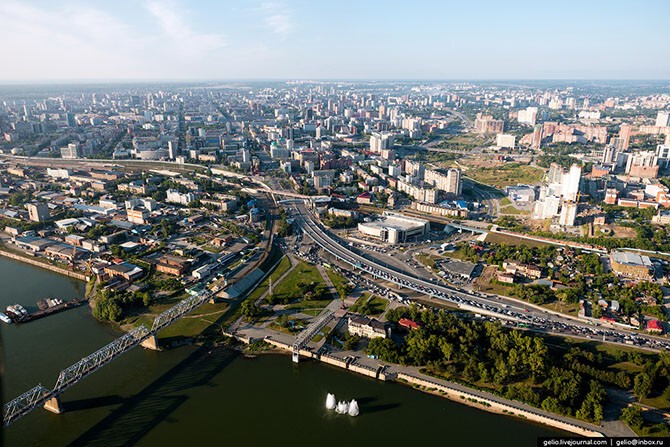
(38, 212)
(568, 214)
(527, 116)
(379, 141)
(571, 182)
(663, 118)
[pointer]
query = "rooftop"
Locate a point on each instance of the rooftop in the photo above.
(632, 259)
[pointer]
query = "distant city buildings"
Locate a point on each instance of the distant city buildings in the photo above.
(487, 124)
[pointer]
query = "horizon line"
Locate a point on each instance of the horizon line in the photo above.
(67, 81)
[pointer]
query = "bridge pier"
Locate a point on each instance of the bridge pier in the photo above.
(54, 405)
(296, 356)
(150, 343)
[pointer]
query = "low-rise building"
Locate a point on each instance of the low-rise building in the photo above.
(395, 228)
(632, 264)
(174, 196)
(138, 215)
(172, 265)
(409, 324)
(506, 278)
(367, 327)
(124, 270)
(517, 268)
(654, 326)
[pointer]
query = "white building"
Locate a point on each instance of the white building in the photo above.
(395, 228)
(521, 193)
(426, 195)
(380, 140)
(528, 116)
(394, 171)
(454, 184)
(547, 208)
(506, 141)
(571, 183)
(568, 214)
(174, 196)
(59, 173)
(70, 152)
(663, 118)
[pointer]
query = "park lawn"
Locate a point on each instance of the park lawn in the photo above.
(303, 272)
(189, 325)
(661, 402)
(505, 201)
(298, 325)
(337, 279)
(627, 366)
(606, 349)
(495, 288)
(376, 305)
(510, 174)
(262, 287)
(462, 142)
(564, 308)
(311, 307)
(256, 293)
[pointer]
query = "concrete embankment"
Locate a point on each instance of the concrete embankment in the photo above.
(43, 265)
(350, 364)
(495, 406)
(424, 384)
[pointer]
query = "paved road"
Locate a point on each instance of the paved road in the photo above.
(496, 306)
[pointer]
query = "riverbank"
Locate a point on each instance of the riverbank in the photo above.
(44, 265)
(452, 391)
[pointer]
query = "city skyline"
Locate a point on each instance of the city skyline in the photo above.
(160, 41)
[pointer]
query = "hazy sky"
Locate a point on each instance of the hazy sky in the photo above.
(308, 39)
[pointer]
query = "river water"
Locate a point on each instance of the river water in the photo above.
(194, 397)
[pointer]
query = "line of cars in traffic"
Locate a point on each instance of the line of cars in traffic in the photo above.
(465, 299)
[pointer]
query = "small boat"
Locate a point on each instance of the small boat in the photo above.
(5, 318)
(17, 311)
(331, 403)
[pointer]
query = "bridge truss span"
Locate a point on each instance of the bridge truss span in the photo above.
(177, 311)
(91, 363)
(25, 403)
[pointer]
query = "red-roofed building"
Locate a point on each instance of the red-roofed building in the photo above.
(655, 326)
(408, 324)
(364, 199)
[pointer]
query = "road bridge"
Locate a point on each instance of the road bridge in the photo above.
(534, 317)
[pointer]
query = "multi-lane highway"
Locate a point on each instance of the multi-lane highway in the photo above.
(498, 307)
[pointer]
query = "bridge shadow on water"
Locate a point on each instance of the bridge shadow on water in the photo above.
(94, 402)
(140, 413)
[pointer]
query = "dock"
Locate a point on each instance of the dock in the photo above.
(49, 311)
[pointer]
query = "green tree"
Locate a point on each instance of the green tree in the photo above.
(642, 385)
(632, 416)
(249, 310)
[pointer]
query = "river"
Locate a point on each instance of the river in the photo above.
(195, 397)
